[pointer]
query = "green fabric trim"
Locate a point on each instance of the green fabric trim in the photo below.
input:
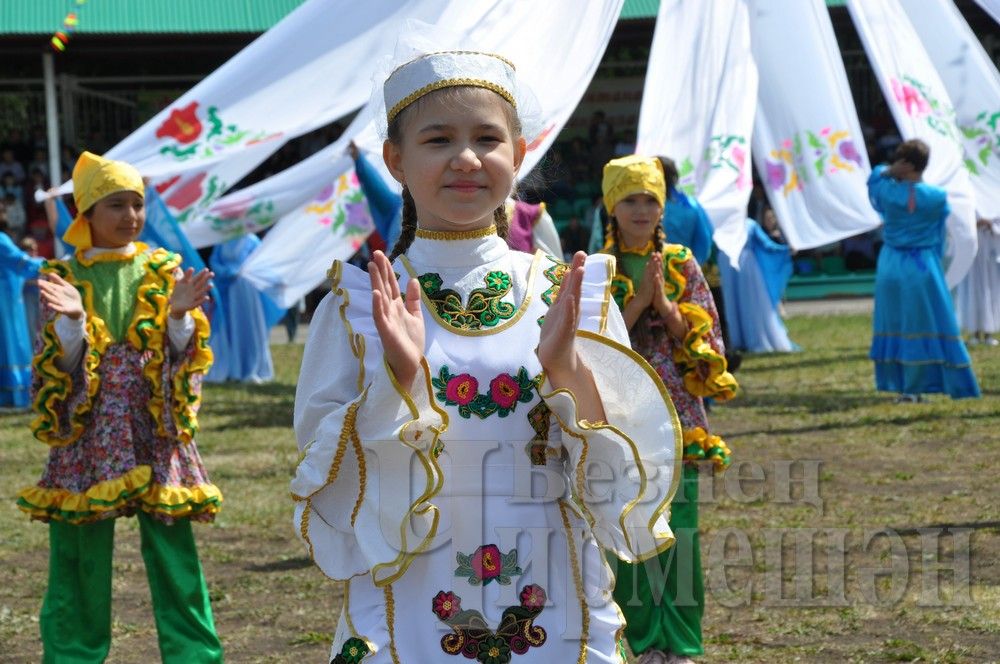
(114, 284)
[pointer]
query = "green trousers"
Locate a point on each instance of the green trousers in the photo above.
(663, 599)
(76, 614)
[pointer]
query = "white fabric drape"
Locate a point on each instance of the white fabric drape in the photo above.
(973, 85)
(697, 107)
(311, 68)
(807, 142)
(556, 46)
(922, 109)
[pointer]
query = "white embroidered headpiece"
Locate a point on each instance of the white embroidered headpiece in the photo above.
(445, 69)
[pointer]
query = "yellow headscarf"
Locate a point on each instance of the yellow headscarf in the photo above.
(633, 175)
(94, 178)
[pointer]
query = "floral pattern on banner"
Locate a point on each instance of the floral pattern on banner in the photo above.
(189, 197)
(191, 134)
(341, 207)
(472, 637)
(810, 154)
(725, 151)
(487, 564)
(505, 392)
(982, 141)
(234, 218)
(919, 103)
(352, 652)
(485, 308)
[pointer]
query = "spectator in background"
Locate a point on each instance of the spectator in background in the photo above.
(17, 218)
(602, 141)
(40, 163)
(11, 185)
(38, 230)
(10, 165)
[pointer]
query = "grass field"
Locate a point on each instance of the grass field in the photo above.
(793, 571)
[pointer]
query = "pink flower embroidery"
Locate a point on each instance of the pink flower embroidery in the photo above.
(504, 390)
(462, 389)
(532, 597)
(447, 604)
(911, 99)
(487, 562)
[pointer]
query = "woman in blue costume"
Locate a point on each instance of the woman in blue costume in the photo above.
(242, 351)
(753, 293)
(16, 267)
(684, 220)
(916, 344)
(384, 203)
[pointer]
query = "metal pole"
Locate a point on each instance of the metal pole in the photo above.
(52, 119)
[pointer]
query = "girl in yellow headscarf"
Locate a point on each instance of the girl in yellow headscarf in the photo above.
(673, 324)
(117, 386)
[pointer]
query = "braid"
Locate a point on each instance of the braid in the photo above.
(611, 243)
(501, 221)
(659, 238)
(408, 224)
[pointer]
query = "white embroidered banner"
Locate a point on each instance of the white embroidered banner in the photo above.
(922, 109)
(556, 46)
(807, 142)
(698, 107)
(973, 85)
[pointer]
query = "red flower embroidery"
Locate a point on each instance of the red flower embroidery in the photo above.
(487, 562)
(447, 604)
(187, 194)
(462, 389)
(504, 390)
(183, 125)
(533, 597)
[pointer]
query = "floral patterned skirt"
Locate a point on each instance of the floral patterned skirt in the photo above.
(120, 464)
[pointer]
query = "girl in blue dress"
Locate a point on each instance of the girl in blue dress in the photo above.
(916, 347)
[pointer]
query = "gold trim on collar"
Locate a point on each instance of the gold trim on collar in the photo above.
(474, 234)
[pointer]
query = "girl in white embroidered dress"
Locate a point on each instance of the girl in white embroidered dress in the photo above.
(429, 488)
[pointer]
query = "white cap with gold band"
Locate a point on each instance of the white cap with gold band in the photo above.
(443, 69)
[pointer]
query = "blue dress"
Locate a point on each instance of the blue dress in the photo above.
(685, 222)
(916, 344)
(242, 345)
(751, 295)
(16, 267)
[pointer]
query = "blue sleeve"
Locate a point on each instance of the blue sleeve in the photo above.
(384, 203)
(877, 184)
(17, 261)
(701, 240)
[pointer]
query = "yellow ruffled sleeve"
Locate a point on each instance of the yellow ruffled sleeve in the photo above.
(175, 382)
(63, 399)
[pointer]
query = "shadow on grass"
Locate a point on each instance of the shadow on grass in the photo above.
(860, 423)
(812, 401)
(770, 362)
(300, 562)
(238, 405)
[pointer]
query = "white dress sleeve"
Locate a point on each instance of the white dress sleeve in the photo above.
(624, 472)
(70, 333)
(358, 432)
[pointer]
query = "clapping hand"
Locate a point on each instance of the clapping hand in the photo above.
(60, 296)
(400, 323)
(190, 291)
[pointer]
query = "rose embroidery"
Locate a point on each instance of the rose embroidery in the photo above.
(487, 564)
(472, 637)
(532, 597)
(462, 389)
(505, 392)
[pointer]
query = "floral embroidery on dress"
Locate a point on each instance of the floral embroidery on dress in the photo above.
(352, 652)
(487, 564)
(473, 638)
(484, 308)
(554, 274)
(505, 392)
